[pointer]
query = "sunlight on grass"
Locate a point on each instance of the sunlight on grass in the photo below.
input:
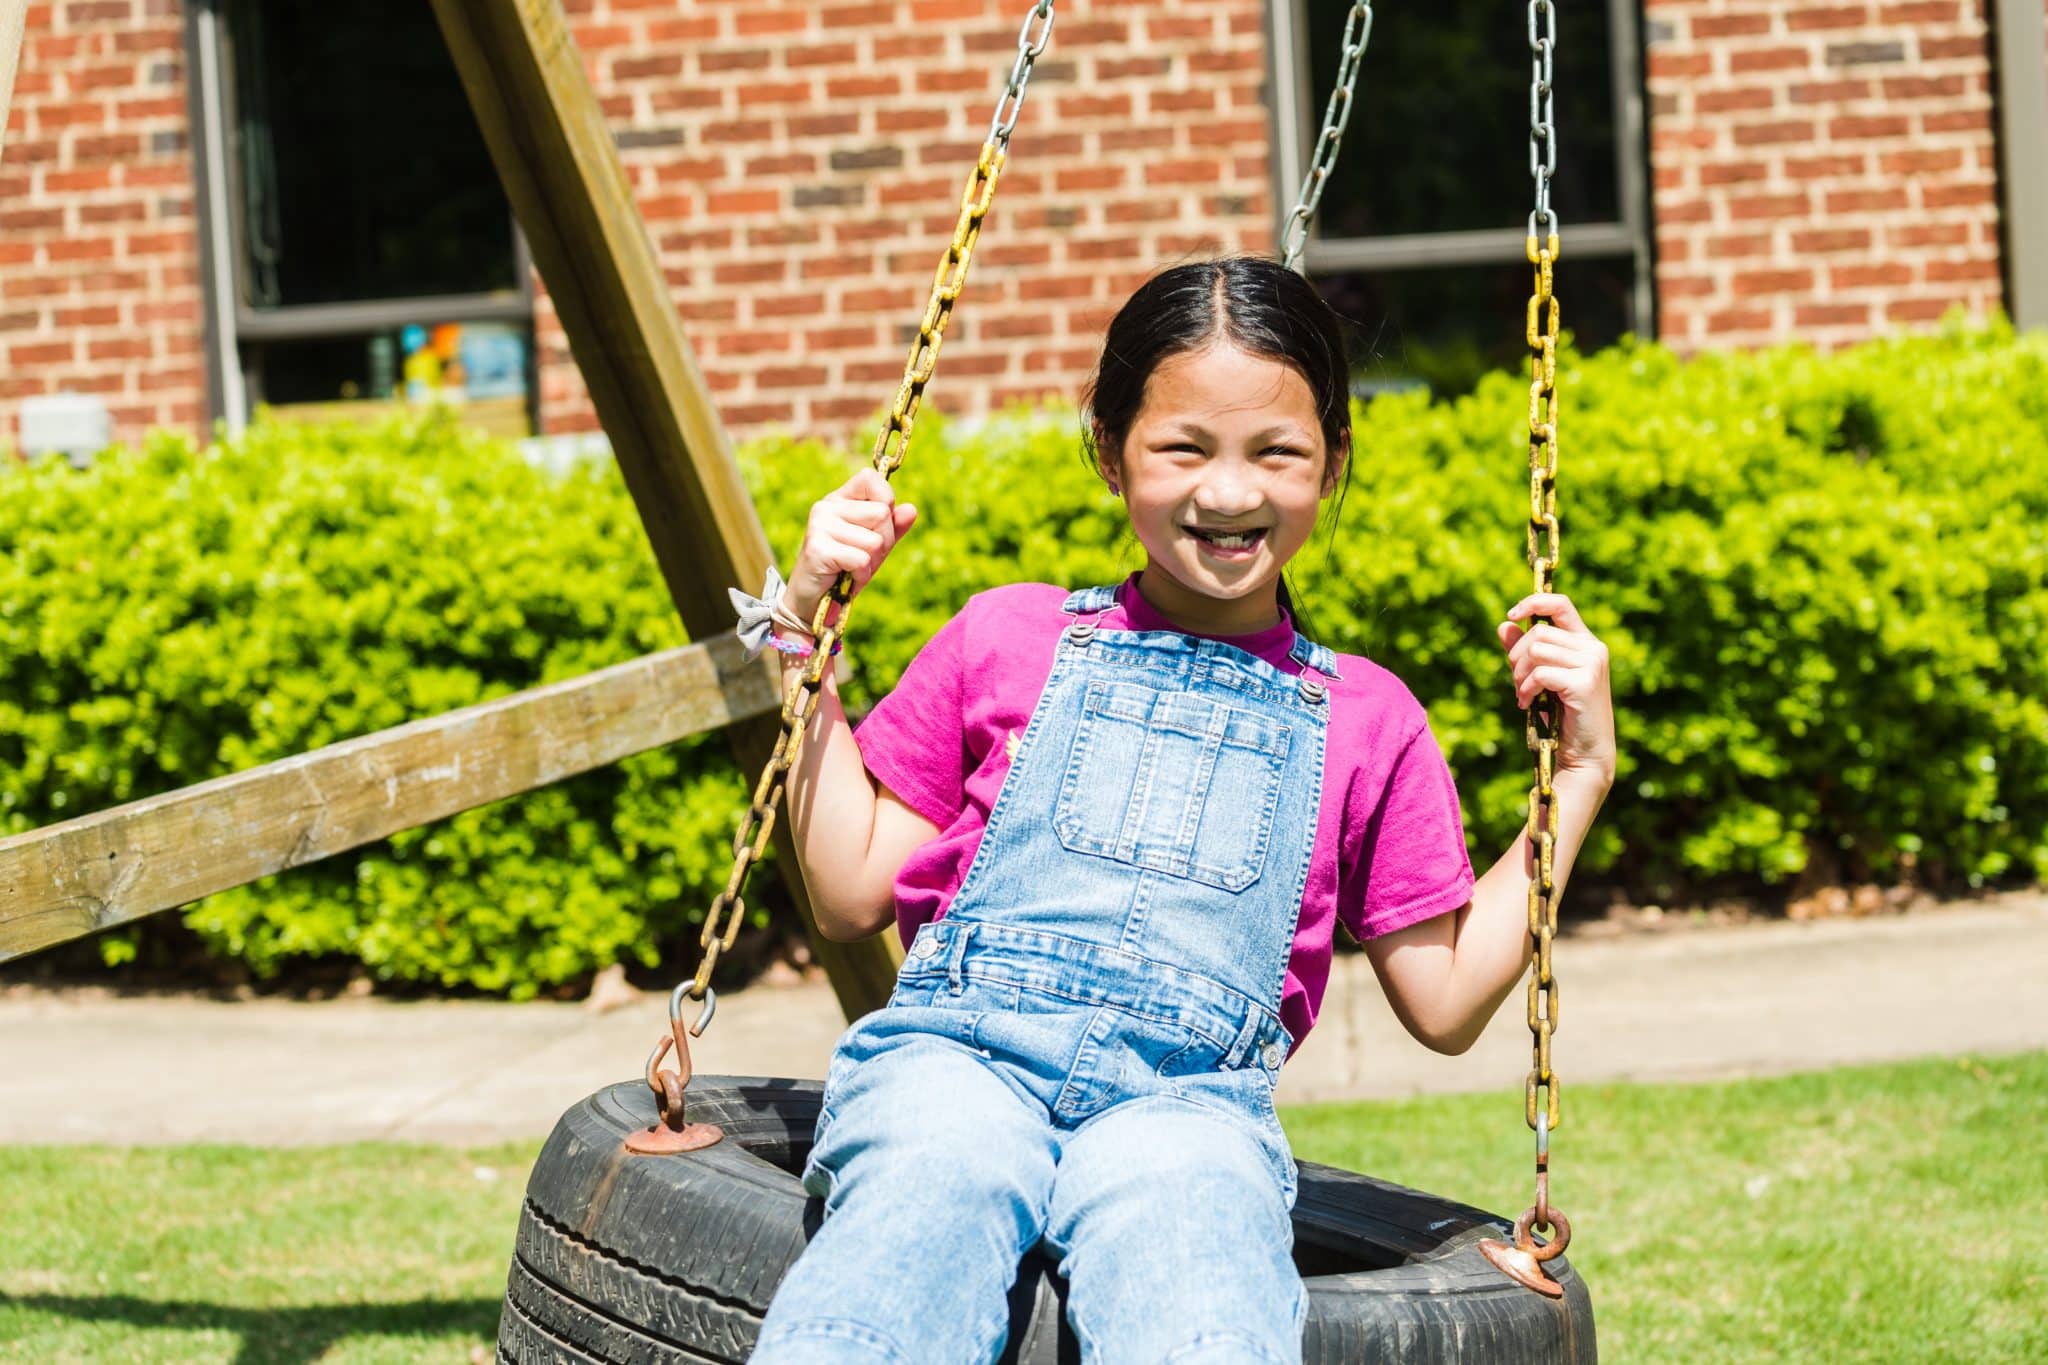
(1887, 1213)
(1890, 1213)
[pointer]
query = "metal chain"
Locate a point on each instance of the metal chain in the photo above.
(1542, 130)
(1544, 720)
(727, 913)
(1522, 1260)
(1336, 115)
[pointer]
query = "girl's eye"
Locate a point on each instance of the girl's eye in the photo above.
(1282, 450)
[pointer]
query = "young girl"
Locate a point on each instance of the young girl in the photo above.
(1115, 829)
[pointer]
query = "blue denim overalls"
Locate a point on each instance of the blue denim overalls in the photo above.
(1083, 1049)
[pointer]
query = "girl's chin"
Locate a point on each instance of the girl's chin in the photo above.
(1223, 581)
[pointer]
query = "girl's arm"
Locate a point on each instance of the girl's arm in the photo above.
(851, 833)
(1446, 976)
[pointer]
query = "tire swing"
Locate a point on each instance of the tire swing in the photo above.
(648, 1238)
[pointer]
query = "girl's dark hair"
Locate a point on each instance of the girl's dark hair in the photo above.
(1255, 304)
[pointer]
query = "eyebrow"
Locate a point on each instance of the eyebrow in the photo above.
(1288, 431)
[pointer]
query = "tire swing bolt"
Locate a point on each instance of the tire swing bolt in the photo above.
(1522, 1262)
(671, 1134)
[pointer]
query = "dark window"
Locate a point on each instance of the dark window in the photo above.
(1420, 238)
(363, 174)
(375, 257)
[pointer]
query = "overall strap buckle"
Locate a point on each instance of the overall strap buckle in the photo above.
(1087, 603)
(1317, 663)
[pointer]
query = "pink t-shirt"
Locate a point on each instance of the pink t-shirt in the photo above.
(1390, 840)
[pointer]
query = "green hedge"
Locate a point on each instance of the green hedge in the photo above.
(1821, 578)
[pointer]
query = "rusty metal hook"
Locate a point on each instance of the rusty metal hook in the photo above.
(1523, 1262)
(672, 1133)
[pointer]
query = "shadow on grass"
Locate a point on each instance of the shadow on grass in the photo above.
(277, 1336)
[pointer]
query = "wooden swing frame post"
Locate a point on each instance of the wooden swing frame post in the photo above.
(561, 171)
(13, 16)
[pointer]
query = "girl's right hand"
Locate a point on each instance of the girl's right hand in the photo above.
(851, 529)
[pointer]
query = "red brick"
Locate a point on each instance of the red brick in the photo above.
(1833, 164)
(1958, 196)
(1750, 283)
(1920, 310)
(1927, 234)
(1739, 320)
(1800, 19)
(1662, 65)
(1831, 239)
(1874, 200)
(1741, 97)
(1830, 92)
(1729, 25)
(1980, 270)
(752, 22)
(1831, 315)
(1770, 59)
(1869, 275)
(1938, 49)
(1920, 13)
(1731, 246)
(1956, 121)
(1921, 161)
(1774, 133)
(1747, 207)
(1848, 127)
(1924, 87)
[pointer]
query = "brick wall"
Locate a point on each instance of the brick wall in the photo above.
(1820, 169)
(99, 252)
(800, 162)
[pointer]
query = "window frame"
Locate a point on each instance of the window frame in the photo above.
(230, 319)
(1296, 122)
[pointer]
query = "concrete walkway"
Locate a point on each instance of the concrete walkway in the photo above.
(1689, 1004)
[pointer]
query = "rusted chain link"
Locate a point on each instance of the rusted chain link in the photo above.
(1336, 116)
(728, 909)
(1543, 724)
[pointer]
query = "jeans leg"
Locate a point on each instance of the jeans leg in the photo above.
(936, 1176)
(1176, 1238)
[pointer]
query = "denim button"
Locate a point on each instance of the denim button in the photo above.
(924, 948)
(1272, 1053)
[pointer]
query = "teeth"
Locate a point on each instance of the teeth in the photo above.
(1234, 540)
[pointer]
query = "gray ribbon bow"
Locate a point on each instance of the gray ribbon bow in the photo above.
(757, 614)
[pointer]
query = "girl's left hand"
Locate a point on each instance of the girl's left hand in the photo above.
(1566, 658)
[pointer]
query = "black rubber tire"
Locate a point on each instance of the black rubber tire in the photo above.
(627, 1259)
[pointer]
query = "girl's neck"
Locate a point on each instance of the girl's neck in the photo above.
(1199, 615)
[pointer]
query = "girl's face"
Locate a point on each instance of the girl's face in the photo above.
(1222, 471)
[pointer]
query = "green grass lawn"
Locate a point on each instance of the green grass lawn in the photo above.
(1893, 1213)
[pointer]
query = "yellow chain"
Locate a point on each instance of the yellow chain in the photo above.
(1542, 725)
(801, 700)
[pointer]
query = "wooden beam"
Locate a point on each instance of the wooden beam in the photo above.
(562, 173)
(2021, 61)
(13, 13)
(70, 879)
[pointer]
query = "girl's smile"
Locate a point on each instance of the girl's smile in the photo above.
(1222, 472)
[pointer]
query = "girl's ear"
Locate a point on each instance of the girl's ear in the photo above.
(1338, 459)
(1108, 462)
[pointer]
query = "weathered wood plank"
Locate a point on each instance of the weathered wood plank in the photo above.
(70, 879)
(13, 13)
(561, 170)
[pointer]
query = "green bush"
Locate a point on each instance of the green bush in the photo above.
(1820, 578)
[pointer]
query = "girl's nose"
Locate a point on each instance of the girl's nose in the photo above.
(1226, 496)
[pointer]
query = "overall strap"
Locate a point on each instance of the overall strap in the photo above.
(1309, 654)
(1091, 600)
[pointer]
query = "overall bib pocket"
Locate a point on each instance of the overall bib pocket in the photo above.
(1172, 782)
